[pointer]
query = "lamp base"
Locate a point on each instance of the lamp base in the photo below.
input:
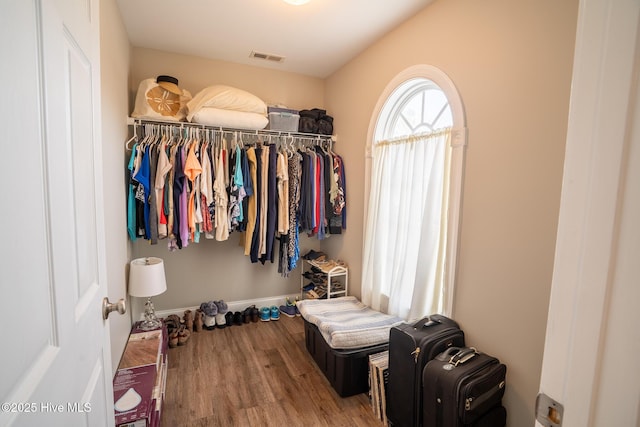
(150, 320)
(148, 325)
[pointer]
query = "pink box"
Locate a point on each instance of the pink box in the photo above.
(133, 396)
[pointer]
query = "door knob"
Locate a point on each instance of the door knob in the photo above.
(108, 307)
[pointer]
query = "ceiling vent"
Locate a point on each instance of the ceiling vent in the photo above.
(266, 56)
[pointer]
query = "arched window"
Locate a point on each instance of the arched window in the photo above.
(416, 106)
(416, 154)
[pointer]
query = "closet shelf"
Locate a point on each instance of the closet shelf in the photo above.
(132, 121)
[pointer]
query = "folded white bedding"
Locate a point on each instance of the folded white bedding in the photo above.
(346, 323)
(229, 118)
(226, 98)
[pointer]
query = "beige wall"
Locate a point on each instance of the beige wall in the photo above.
(511, 62)
(212, 270)
(114, 58)
(195, 73)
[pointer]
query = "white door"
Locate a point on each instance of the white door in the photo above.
(590, 363)
(55, 367)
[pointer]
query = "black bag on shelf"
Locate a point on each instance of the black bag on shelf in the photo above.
(307, 125)
(325, 125)
(314, 113)
(315, 120)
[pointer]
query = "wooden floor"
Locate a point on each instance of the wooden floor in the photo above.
(256, 374)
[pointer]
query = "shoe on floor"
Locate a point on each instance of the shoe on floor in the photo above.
(173, 338)
(288, 310)
(209, 310)
(255, 314)
(172, 324)
(294, 305)
(275, 313)
(265, 314)
(238, 318)
(228, 318)
(183, 335)
(188, 320)
(221, 318)
(246, 314)
(198, 320)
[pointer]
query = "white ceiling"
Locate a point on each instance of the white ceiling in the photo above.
(316, 39)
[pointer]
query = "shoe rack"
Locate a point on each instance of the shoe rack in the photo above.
(323, 279)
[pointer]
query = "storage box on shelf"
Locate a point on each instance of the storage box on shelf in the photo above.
(139, 383)
(323, 279)
(283, 119)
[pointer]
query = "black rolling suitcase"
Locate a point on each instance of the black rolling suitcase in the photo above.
(410, 348)
(462, 388)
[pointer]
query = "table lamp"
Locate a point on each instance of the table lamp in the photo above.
(146, 280)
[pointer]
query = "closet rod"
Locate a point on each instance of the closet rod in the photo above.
(131, 121)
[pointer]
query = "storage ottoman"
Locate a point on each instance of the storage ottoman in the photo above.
(346, 370)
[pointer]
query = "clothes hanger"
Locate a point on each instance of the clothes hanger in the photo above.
(148, 133)
(175, 134)
(156, 134)
(234, 141)
(162, 137)
(141, 147)
(133, 138)
(292, 145)
(240, 141)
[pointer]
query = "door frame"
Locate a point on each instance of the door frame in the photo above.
(603, 93)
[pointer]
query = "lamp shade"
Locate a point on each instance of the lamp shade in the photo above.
(146, 277)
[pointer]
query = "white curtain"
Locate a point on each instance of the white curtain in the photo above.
(405, 235)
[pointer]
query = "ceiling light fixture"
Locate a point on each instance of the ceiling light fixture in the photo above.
(296, 2)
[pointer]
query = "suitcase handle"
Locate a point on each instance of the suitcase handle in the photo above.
(462, 356)
(446, 355)
(431, 322)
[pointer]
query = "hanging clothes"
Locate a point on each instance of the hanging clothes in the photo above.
(182, 187)
(192, 170)
(252, 202)
(169, 191)
(259, 196)
(206, 191)
(236, 190)
(131, 198)
(295, 175)
(264, 198)
(221, 199)
(153, 206)
(282, 175)
(271, 214)
(163, 169)
(143, 178)
(248, 190)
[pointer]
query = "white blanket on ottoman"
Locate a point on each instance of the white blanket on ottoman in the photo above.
(346, 323)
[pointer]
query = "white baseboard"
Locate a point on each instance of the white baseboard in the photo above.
(233, 305)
